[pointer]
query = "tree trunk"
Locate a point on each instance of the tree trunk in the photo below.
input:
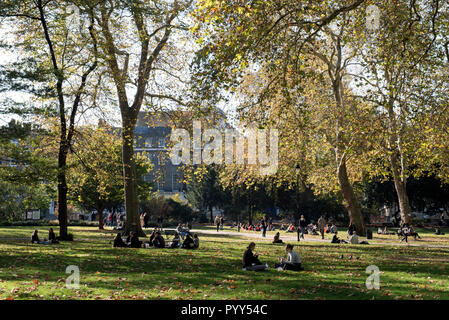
(62, 192)
(211, 215)
(250, 217)
(130, 179)
(401, 190)
(100, 210)
(352, 204)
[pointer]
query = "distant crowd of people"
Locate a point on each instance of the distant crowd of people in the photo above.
(181, 239)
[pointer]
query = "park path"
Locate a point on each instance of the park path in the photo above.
(293, 238)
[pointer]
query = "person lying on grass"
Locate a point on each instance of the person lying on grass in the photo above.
(251, 260)
(293, 261)
(118, 241)
(277, 238)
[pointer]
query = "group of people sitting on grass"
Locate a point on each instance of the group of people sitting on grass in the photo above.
(251, 227)
(251, 260)
(353, 238)
(51, 238)
(157, 241)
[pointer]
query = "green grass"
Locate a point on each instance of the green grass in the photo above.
(214, 271)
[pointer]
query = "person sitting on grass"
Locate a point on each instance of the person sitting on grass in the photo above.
(180, 231)
(335, 239)
(196, 241)
(291, 228)
(35, 237)
(188, 242)
(251, 260)
(118, 241)
(158, 240)
(133, 241)
(438, 231)
(313, 229)
(176, 241)
(52, 236)
(277, 238)
(293, 261)
(153, 235)
(354, 238)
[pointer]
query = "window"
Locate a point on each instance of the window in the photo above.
(148, 142)
(162, 142)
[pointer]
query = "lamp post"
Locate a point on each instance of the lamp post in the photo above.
(298, 171)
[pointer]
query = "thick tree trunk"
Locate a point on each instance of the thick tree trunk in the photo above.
(352, 204)
(401, 190)
(62, 192)
(130, 179)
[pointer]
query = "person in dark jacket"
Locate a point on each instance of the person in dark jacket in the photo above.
(35, 237)
(52, 236)
(302, 226)
(175, 243)
(188, 242)
(196, 241)
(133, 241)
(118, 241)
(277, 238)
(264, 227)
(335, 239)
(251, 260)
(158, 241)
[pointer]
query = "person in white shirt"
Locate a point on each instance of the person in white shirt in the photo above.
(354, 239)
(293, 261)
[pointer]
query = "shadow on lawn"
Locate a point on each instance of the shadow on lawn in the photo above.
(325, 274)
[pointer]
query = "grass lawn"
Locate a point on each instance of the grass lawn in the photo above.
(29, 271)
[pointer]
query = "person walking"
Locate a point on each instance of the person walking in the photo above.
(321, 225)
(217, 222)
(264, 227)
(302, 225)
